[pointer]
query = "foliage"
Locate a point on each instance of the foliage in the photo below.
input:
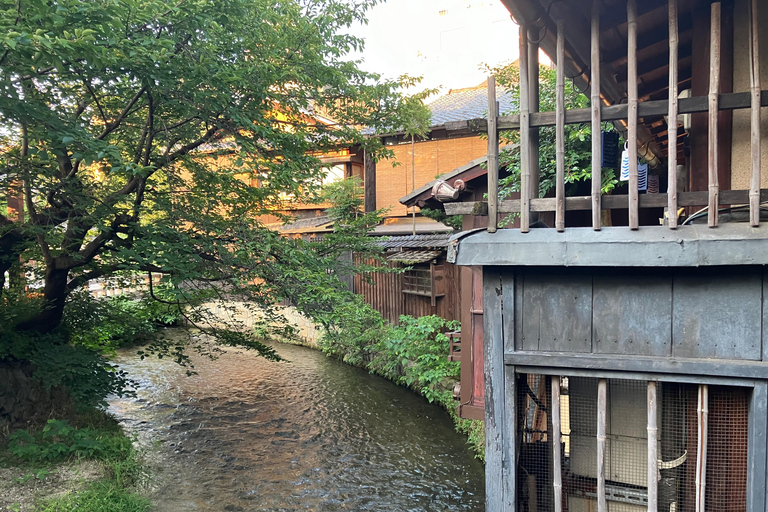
(149, 136)
(578, 145)
(354, 330)
(415, 353)
(59, 440)
(101, 496)
(453, 221)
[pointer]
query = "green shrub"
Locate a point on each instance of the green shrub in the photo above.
(59, 440)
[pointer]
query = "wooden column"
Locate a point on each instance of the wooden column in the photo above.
(369, 182)
(493, 156)
(701, 452)
(560, 129)
(714, 91)
(754, 84)
(632, 111)
(597, 175)
(557, 466)
(533, 102)
(525, 137)
(653, 468)
(674, 42)
(602, 408)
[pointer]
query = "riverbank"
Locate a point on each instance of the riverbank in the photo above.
(88, 465)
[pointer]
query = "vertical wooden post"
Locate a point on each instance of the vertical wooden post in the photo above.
(653, 468)
(533, 100)
(754, 84)
(674, 42)
(557, 469)
(597, 175)
(525, 136)
(714, 93)
(701, 452)
(632, 111)
(493, 156)
(602, 408)
(560, 128)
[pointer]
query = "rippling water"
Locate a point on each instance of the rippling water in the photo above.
(309, 434)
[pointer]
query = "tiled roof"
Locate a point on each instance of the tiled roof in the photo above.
(465, 104)
(312, 224)
(436, 241)
(410, 257)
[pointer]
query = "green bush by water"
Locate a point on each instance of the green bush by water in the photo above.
(102, 496)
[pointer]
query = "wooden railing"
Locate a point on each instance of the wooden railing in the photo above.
(597, 113)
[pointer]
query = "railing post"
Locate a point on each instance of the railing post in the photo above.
(557, 471)
(602, 407)
(493, 156)
(701, 452)
(653, 467)
(597, 176)
(560, 129)
(525, 136)
(754, 84)
(632, 111)
(672, 117)
(714, 92)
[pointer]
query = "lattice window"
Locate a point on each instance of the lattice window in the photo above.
(687, 420)
(425, 280)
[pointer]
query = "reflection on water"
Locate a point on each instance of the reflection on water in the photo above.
(310, 434)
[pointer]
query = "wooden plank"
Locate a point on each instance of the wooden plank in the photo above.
(754, 83)
(595, 105)
(609, 202)
(714, 91)
(493, 156)
(658, 368)
(602, 405)
(674, 41)
(557, 470)
(634, 221)
(702, 411)
(653, 479)
(726, 328)
(632, 313)
(508, 303)
(525, 137)
(494, 392)
(655, 108)
(510, 438)
(560, 131)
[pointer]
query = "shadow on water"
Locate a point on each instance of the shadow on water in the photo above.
(246, 434)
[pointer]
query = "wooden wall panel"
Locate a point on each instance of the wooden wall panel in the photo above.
(632, 314)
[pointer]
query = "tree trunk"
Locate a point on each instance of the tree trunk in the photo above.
(54, 297)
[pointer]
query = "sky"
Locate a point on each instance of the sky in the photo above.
(445, 41)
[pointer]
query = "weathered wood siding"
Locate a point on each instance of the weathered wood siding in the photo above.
(386, 295)
(712, 313)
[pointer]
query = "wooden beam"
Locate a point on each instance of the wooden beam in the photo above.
(560, 130)
(714, 91)
(672, 117)
(653, 446)
(369, 182)
(654, 108)
(597, 177)
(525, 137)
(634, 221)
(754, 83)
(602, 408)
(609, 202)
(657, 36)
(493, 156)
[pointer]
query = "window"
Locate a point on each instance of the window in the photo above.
(426, 280)
(687, 420)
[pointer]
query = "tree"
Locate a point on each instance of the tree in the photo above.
(138, 129)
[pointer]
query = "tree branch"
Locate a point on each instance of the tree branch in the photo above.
(116, 123)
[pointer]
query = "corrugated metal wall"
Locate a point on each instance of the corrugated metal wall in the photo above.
(386, 294)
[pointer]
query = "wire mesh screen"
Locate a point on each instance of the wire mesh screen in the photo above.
(626, 450)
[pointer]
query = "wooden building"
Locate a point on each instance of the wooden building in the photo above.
(626, 366)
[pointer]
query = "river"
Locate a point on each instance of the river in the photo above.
(247, 434)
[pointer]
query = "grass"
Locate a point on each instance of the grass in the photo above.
(101, 496)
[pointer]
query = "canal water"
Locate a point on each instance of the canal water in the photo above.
(247, 434)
